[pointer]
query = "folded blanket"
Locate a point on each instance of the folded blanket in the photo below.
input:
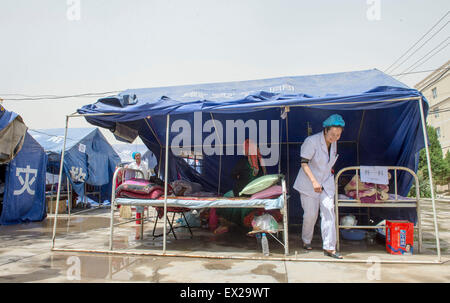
(155, 194)
(139, 186)
(183, 187)
(368, 192)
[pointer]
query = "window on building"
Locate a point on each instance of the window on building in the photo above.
(438, 132)
(434, 91)
(436, 112)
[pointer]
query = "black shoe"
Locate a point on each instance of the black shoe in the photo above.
(307, 246)
(335, 255)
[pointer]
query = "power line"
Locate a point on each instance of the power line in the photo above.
(410, 67)
(421, 46)
(440, 110)
(422, 71)
(386, 70)
(53, 97)
(439, 78)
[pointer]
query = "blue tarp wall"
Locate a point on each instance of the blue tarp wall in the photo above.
(383, 123)
(24, 198)
(88, 158)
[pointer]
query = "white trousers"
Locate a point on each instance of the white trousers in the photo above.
(311, 206)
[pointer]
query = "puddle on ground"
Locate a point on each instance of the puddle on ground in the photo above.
(221, 264)
(81, 267)
(65, 225)
(269, 270)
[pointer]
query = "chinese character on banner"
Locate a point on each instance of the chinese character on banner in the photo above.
(27, 182)
(77, 175)
(56, 139)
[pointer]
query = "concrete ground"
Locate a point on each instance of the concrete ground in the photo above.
(26, 255)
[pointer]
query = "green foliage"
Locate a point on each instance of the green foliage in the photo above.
(447, 163)
(440, 167)
(424, 185)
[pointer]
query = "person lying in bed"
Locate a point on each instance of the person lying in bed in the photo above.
(249, 167)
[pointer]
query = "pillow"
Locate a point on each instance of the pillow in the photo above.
(271, 192)
(137, 186)
(260, 184)
(229, 194)
(155, 194)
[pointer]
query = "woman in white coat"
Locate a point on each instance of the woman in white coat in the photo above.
(315, 183)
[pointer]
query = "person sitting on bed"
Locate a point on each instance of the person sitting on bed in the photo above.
(249, 167)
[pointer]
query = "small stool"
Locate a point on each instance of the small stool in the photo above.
(174, 210)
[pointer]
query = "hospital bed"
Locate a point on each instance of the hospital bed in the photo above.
(203, 202)
(395, 201)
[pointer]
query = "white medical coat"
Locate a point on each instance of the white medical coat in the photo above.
(142, 167)
(315, 149)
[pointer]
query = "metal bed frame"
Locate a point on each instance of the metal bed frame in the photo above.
(168, 203)
(410, 203)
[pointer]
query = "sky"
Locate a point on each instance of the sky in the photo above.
(68, 47)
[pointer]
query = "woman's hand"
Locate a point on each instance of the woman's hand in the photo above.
(317, 187)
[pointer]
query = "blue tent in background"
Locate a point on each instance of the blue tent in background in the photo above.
(24, 176)
(24, 199)
(382, 115)
(89, 158)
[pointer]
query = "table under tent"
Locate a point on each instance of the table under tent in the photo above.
(22, 172)
(385, 126)
(88, 166)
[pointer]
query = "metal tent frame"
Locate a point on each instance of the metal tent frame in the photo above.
(286, 108)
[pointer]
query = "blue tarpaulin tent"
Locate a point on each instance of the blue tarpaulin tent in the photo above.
(382, 115)
(12, 134)
(24, 187)
(89, 158)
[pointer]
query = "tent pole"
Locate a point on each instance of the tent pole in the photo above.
(160, 145)
(165, 182)
(287, 146)
(59, 183)
(220, 173)
(279, 142)
(69, 195)
(159, 163)
(220, 156)
(359, 136)
(425, 138)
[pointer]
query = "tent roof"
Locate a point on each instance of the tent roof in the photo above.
(6, 117)
(52, 139)
(355, 89)
(383, 126)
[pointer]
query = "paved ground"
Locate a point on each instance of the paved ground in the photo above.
(26, 255)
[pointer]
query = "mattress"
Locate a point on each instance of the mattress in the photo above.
(206, 202)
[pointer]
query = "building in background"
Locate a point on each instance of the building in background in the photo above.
(436, 88)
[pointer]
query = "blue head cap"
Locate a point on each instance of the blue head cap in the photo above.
(133, 155)
(334, 120)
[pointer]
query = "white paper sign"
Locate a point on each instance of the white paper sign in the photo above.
(82, 148)
(374, 174)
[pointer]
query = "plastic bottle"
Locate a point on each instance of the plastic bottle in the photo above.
(265, 245)
(258, 239)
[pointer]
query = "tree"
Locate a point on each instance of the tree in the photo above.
(447, 163)
(440, 167)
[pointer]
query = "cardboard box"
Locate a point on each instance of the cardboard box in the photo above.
(399, 237)
(51, 205)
